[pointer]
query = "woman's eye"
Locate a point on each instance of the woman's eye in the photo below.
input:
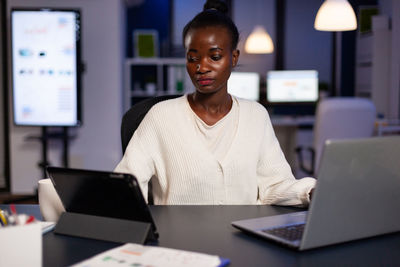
(216, 57)
(191, 59)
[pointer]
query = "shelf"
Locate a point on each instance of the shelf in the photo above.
(167, 76)
(155, 61)
(140, 93)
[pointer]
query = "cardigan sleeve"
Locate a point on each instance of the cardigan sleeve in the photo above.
(276, 183)
(138, 163)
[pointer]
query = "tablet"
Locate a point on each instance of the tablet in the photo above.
(106, 194)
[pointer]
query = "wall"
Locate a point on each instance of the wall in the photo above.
(264, 14)
(183, 12)
(97, 144)
(137, 18)
(246, 16)
(2, 123)
(305, 47)
(395, 68)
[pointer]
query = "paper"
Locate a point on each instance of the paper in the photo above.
(46, 226)
(143, 256)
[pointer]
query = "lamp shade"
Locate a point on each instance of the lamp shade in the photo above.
(335, 15)
(259, 42)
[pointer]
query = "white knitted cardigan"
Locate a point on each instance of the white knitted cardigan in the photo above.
(254, 171)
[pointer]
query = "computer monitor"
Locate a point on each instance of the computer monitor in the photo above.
(45, 46)
(292, 86)
(244, 85)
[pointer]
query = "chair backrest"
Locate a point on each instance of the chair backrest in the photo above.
(130, 122)
(134, 116)
(342, 118)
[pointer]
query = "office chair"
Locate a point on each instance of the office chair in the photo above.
(131, 120)
(338, 118)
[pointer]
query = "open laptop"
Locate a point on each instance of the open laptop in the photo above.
(357, 196)
(104, 194)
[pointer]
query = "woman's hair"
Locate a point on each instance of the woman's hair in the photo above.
(213, 14)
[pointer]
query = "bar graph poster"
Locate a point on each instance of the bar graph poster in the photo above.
(45, 73)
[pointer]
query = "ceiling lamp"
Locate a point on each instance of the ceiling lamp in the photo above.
(259, 42)
(335, 15)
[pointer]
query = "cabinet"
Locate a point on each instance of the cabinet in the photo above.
(148, 77)
(373, 65)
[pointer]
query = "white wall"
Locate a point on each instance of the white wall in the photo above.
(98, 144)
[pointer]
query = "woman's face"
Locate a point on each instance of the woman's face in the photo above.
(209, 58)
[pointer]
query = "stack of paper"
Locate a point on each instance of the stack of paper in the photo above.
(138, 255)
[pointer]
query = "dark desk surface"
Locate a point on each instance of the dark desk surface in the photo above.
(207, 229)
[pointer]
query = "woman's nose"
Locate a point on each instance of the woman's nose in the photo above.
(202, 67)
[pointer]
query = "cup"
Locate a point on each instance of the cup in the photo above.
(49, 201)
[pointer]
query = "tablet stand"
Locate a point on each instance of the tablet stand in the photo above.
(104, 228)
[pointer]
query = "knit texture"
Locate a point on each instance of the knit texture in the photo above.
(254, 170)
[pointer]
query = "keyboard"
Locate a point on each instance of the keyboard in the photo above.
(288, 232)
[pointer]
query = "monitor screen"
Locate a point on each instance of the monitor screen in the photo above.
(45, 46)
(244, 85)
(292, 86)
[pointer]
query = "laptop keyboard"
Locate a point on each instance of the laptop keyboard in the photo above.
(289, 232)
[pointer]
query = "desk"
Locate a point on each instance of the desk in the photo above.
(207, 229)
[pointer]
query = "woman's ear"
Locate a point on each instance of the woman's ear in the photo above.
(235, 57)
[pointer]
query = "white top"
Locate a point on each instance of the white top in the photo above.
(218, 137)
(254, 169)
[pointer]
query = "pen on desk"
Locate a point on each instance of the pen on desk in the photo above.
(30, 219)
(3, 220)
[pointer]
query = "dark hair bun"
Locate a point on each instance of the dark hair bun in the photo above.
(217, 5)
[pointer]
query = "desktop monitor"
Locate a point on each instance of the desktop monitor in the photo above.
(244, 85)
(45, 46)
(292, 86)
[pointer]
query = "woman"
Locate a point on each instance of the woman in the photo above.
(209, 147)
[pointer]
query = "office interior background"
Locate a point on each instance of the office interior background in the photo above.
(107, 43)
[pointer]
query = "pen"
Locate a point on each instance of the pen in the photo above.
(30, 219)
(3, 220)
(14, 219)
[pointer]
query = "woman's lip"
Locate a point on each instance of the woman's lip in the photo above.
(204, 82)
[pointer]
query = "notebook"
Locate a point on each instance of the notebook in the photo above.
(356, 196)
(105, 194)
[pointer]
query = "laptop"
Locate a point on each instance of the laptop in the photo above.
(356, 196)
(102, 194)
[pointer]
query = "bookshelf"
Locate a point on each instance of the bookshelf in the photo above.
(148, 77)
